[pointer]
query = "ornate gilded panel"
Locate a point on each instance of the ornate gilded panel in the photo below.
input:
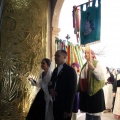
(23, 45)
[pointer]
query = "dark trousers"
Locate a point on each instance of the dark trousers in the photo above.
(58, 115)
(59, 112)
(92, 117)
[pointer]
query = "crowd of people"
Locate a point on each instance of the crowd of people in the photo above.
(112, 92)
(69, 88)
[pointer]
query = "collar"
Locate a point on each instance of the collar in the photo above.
(59, 68)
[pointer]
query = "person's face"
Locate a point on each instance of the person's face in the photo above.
(59, 58)
(44, 65)
(87, 55)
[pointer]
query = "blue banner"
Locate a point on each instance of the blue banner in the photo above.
(90, 22)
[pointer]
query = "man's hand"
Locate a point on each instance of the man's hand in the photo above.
(53, 92)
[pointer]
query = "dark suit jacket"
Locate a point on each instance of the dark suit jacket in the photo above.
(65, 82)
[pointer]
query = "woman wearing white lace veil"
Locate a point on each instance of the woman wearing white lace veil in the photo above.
(41, 108)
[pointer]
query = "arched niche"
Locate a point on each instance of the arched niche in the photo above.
(55, 21)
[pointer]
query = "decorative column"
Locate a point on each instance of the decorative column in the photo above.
(55, 32)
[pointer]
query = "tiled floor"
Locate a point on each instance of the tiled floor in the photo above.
(105, 116)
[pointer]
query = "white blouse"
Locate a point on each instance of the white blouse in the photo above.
(98, 72)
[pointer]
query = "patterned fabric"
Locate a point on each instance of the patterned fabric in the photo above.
(93, 84)
(73, 51)
(76, 21)
(90, 23)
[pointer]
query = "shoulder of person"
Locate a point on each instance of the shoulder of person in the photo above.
(68, 67)
(55, 69)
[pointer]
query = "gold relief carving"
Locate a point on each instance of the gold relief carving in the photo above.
(20, 4)
(10, 23)
(23, 45)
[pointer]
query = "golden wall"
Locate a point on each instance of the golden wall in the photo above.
(23, 45)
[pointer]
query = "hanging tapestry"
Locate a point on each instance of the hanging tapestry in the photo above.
(90, 22)
(76, 22)
(73, 51)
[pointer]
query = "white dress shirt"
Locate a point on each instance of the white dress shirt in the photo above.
(59, 68)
